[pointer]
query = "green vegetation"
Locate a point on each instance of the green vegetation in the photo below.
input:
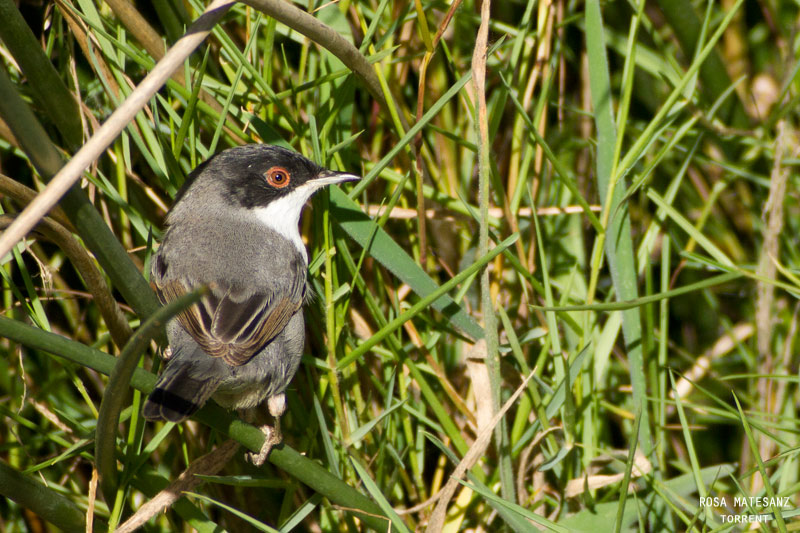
(563, 298)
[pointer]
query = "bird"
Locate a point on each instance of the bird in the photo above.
(233, 230)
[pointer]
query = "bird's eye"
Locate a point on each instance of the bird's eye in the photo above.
(278, 177)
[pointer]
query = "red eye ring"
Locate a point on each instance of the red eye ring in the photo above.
(278, 177)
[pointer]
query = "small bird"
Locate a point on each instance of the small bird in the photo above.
(234, 229)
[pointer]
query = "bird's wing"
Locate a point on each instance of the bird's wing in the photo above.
(234, 324)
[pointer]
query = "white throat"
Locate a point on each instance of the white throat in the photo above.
(283, 216)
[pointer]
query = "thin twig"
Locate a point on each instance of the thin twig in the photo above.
(403, 213)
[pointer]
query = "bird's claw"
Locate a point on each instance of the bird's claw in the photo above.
(272, 437)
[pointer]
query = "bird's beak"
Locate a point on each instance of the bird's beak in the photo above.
(329, 177)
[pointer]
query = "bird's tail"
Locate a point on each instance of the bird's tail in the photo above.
(178, 394)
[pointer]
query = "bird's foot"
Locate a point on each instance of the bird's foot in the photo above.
(272, 437)
(276, 405)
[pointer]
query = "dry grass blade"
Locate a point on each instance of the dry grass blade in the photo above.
(476, 451)
(770, 249)
(207, 465)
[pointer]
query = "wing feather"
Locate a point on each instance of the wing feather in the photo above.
(234, 324)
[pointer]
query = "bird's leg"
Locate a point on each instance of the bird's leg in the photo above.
(277, 407)
(272, 434)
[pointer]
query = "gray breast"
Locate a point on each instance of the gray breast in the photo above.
(239, 251)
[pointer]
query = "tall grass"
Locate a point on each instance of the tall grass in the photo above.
(563, 297)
